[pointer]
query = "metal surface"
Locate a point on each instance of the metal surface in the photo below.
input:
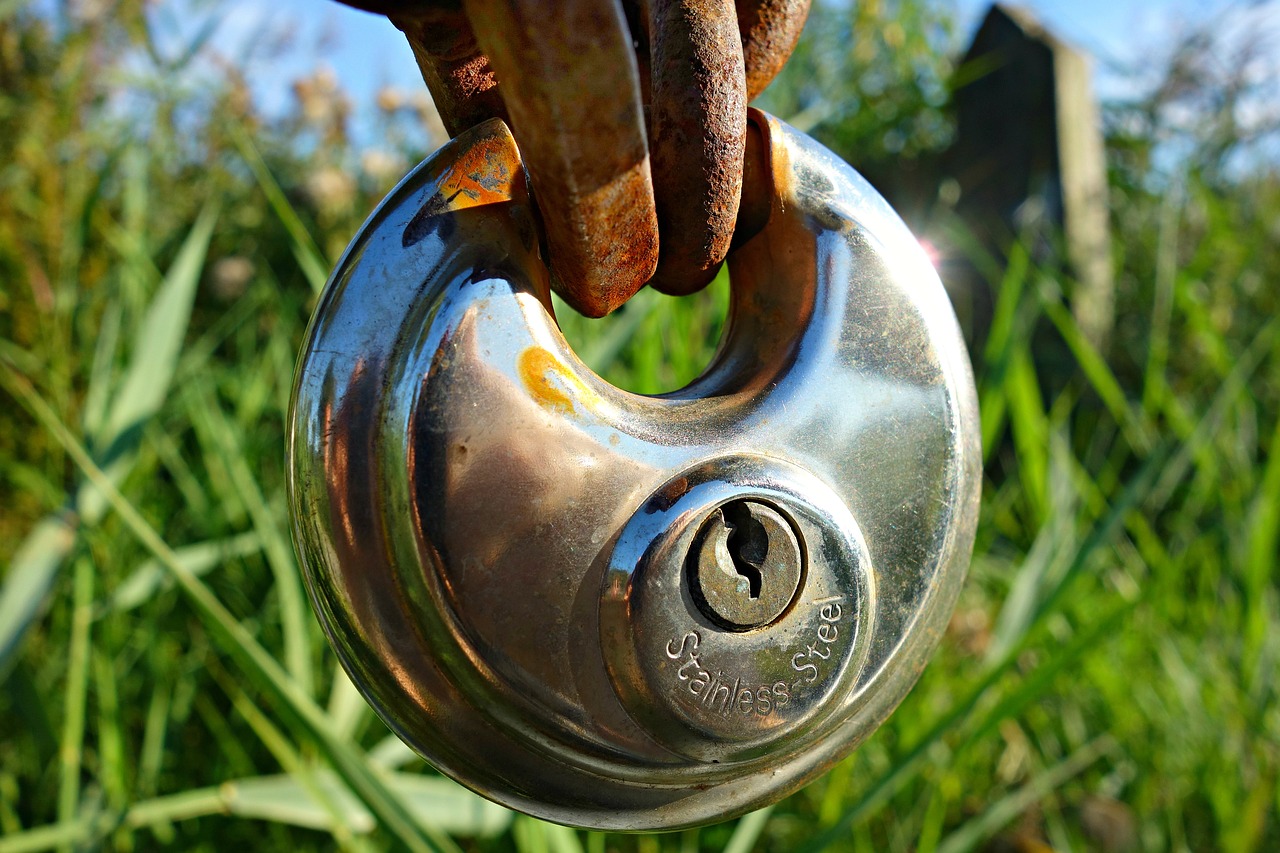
(495, 539)
(745, 566)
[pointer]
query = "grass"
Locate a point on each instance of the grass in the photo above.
(1108, 681)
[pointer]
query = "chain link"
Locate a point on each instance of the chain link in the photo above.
(697, 133)
(457, 72)
(572, 87)
(576, 82)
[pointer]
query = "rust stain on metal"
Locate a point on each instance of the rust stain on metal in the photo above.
(488, 173)
(671, 493)
(486, 170)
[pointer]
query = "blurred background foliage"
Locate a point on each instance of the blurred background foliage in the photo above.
(1108, 681)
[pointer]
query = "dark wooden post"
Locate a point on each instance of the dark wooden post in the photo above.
(1028, 160)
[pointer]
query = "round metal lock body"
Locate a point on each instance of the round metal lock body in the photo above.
(618, 611)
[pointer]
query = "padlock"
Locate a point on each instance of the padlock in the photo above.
(617, 611)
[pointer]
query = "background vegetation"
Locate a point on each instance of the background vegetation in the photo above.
(1108, 681)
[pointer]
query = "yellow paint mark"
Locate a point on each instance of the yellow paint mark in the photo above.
(548, 381)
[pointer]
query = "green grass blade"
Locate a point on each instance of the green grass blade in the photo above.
(258, 666)
(347, 707)
(1139, 433)
(1154, 383)
(599, 342)
(561, 839)
(26, 587)
(158, 342)
(536, 836)
(156, 350)
(392, 753)
(97, 398)
(1197, 447)
(1264, 536)
(77, 691)
(447, 806)
(999, 349)
(1030, 425)
(1138, 490)
(151, 757)
(747, 833)
(150, 578)
(282, 799)
(1036, 683)
(332, 800)
(1006, 810)
(434, 801)
(905, 766)
(112, 762)
(295, 615)
(1004, 318)
(305, 251)
(880, 791)
(23, 360)
(1047, 557)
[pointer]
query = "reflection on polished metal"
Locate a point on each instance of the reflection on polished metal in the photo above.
(503, 548)
(745, 567)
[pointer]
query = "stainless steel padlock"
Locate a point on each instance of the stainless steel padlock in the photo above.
(618, 611)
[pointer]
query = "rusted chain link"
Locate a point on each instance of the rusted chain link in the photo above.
(770, 30)
(456, 71)
(697, 130)
(572, 90)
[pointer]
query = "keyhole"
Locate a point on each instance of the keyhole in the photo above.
(747, 543)
(726, 565)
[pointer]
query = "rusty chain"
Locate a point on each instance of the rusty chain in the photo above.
(697, 134)
(631, 117)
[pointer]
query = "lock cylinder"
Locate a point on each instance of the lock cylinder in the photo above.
(626, 612)
(719, 648)
(746, 565)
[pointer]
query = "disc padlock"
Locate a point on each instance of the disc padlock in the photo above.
(618, 611)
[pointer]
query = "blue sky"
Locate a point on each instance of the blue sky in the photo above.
(366, 52)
